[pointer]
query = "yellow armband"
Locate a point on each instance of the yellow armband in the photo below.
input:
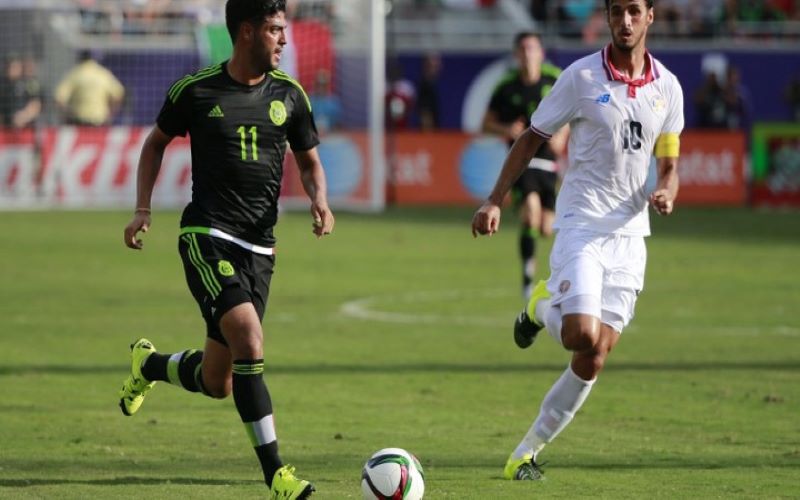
(668, 145)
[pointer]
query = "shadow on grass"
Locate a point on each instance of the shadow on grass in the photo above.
(125, 480)
(385, 368)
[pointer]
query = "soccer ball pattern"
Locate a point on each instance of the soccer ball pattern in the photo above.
(392, 474)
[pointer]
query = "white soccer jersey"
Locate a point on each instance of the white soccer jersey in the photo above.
(613, 130)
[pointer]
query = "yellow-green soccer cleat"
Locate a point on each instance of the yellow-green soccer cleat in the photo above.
(285, 486)
(523, 469)
(136, 386)
(525, 325)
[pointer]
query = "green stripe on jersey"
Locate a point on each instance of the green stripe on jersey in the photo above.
(280, 75)
(176, 89)
(551, 70)
(509, 76)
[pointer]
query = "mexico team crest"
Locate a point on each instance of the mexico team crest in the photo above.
(277, 112)
(225, 268)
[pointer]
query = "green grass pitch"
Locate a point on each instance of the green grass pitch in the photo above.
(396, 331)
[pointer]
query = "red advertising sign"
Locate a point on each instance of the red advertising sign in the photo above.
(95, 167)
(711, 168)
(456, 168)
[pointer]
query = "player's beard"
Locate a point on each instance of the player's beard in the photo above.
(263, 58)
(627, 47)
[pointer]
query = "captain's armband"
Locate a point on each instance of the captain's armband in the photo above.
(668, 145)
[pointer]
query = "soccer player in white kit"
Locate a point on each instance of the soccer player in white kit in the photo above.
(623, 106)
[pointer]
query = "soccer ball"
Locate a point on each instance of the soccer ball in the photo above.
(392, 474)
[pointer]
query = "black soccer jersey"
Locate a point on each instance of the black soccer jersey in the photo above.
(238, 140)
(513, 100)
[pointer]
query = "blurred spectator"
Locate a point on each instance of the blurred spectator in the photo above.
(400, 97)
(669, 13)
(737, 100)
(428, 92)
(709, 103)
(538, 9)
(573, 14)
(702, 18)
(89, 94)
(324, 103)
(595, 27)
(792, 95)
(20, 93)
(722, 102)
(468, 4)
(750, 11)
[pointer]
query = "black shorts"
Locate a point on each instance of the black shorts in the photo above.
(535, 180)
(222, 275)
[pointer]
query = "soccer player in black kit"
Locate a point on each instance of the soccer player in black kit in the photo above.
(239, 114)
(513, 101)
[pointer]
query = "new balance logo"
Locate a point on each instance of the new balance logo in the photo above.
(603, 99)
(216, 112)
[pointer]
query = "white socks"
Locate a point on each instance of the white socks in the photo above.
(558, 408)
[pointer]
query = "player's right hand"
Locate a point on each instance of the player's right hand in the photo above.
(517, 128)
(140, 222)
(486, 220)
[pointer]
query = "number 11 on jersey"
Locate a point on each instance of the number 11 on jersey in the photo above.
(254, 140)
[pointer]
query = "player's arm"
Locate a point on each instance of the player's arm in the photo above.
(667, 151)
(492, 125)
(147, 173)
(558, 143)
(487, 218)
(313, 178)
(28, 113)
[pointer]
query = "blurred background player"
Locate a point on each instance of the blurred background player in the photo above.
(623, 106)
(428, 92)
(401, 97)
(89, 94)
(20, 93)
(239, 114)
(514, 99)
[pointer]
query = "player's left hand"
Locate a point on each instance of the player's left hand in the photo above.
(661, 201)
(322, 219)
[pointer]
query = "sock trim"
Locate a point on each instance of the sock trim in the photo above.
(253, 367)
(261, 432)
(173, 367)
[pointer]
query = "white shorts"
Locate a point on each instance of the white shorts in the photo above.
(597, 274)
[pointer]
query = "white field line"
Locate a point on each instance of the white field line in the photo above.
(364, 308)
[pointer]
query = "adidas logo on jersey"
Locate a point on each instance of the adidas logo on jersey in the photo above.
(216, 112)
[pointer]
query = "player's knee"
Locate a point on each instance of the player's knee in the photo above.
(527, 219)
(243, 334)
(588, 364)
(247, 345)
(594, 358)
(219, 389)
(580, 337)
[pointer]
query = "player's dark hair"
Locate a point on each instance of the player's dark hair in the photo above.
(252, 11)
(522, 35)
(649, 4)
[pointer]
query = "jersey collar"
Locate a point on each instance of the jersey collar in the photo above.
(650, 71)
